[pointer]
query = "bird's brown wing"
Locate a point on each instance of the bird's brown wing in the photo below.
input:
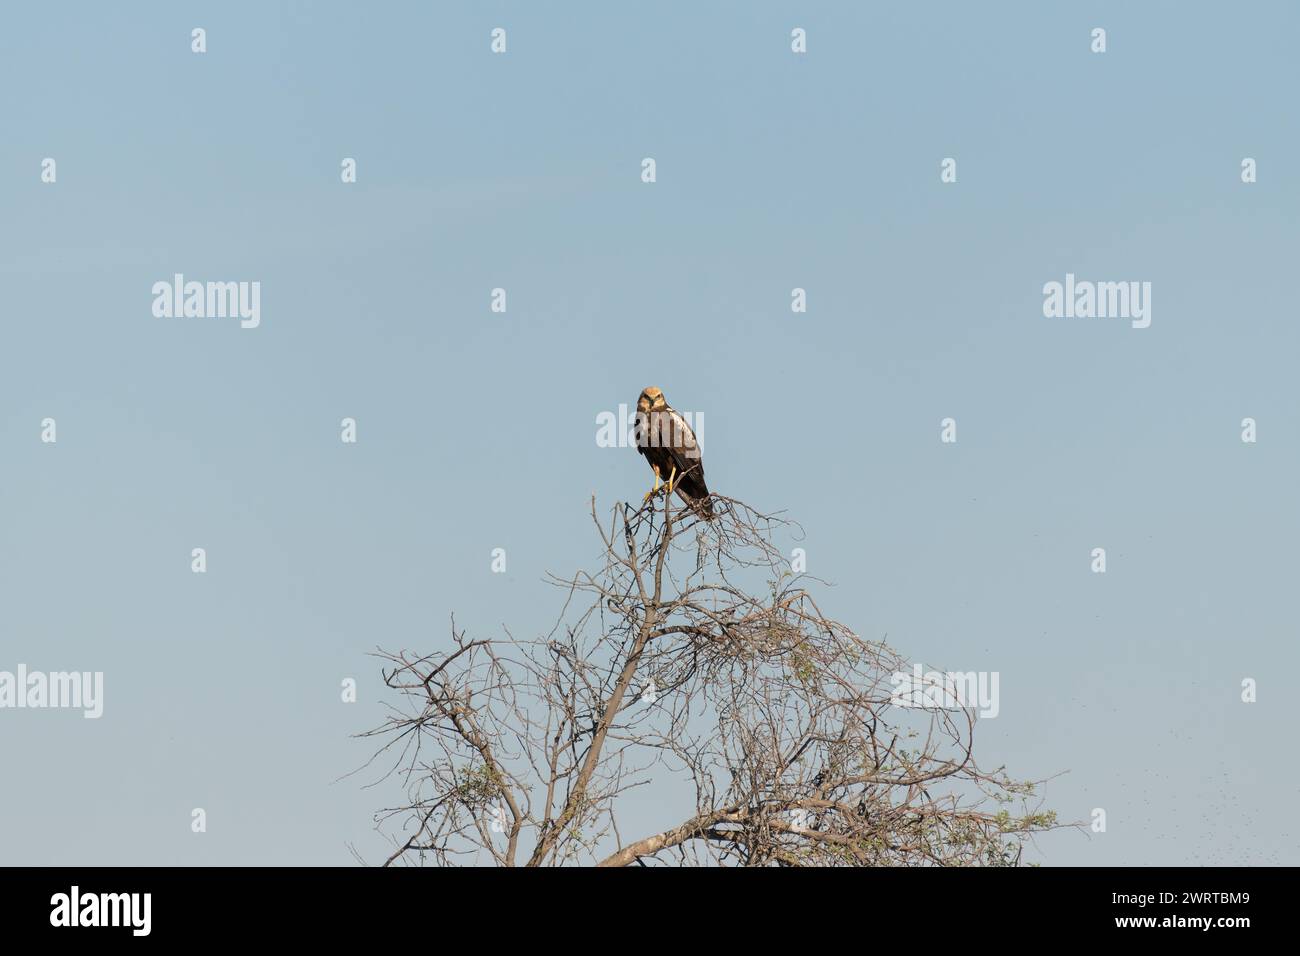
(680, 440)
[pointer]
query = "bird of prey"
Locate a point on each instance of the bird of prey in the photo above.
(668, 443)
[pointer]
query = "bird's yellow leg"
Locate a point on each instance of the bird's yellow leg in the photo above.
(650, 494)
(670, 479)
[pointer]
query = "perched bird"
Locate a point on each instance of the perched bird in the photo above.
(668, 443)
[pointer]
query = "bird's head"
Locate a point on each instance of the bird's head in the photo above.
(651, 398)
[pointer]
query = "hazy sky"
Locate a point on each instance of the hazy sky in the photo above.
(477, 430)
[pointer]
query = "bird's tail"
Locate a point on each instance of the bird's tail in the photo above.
(701, 505)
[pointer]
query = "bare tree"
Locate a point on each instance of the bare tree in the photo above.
(693, 662)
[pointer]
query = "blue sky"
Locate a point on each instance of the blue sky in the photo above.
(477, 430)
